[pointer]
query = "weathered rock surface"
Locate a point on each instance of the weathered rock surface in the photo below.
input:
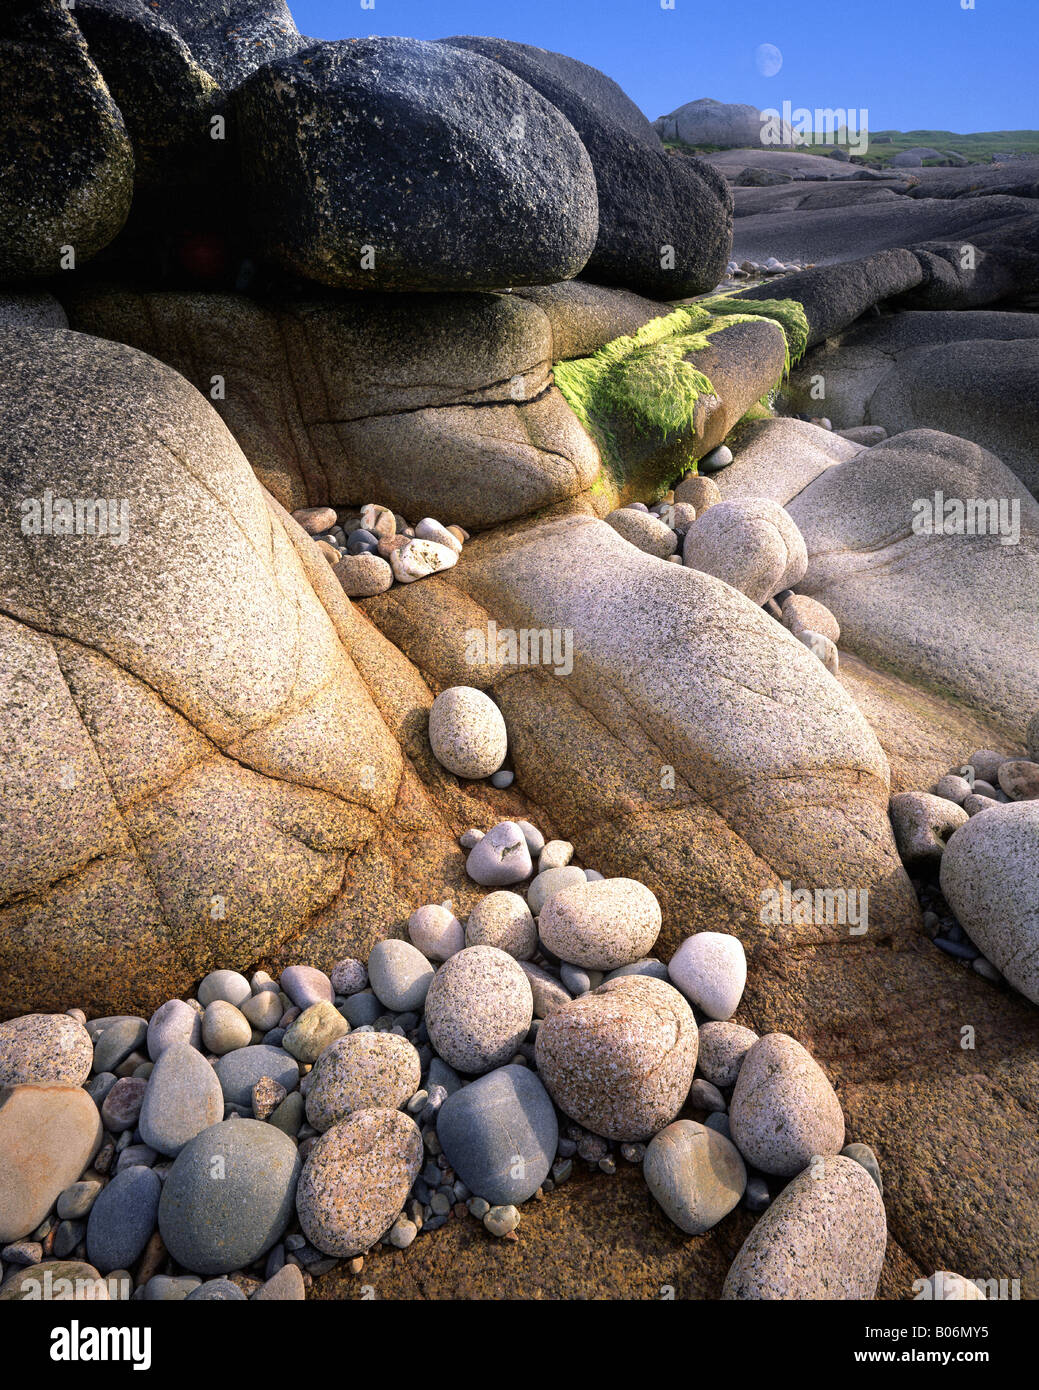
(709, 122)
(429, 198)
(64, 148)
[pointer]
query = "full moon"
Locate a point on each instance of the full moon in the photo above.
(767, 59)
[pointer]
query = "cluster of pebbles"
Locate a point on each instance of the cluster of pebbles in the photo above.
(370, 549)
(742, 270)
(751, 543)
(971, 847)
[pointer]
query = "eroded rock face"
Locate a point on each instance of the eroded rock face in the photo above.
(64, 148)
(348, 399)
(192, 773)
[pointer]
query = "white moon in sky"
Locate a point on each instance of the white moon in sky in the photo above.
(767, 59)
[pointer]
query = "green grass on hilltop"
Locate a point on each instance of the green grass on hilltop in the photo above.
(979, 147)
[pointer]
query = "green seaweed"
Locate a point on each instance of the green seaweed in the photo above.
(644, 382)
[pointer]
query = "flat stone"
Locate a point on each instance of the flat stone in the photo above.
(500, 858)
(183, 1097)
(620, 1060)
(500, 1134)
(695, 1174)
(38, 1049)
(723, 1046)
(783, 1109)
(48, 1135)
(239, 1071)
(400, 975)
(478, 1009)
(366, 1071)
(823, 1237)
(122, 1219)
(356, 1180)
(503, 920)
(601, 925)
(229, 1196)
(710, 969)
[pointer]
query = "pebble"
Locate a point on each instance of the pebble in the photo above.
(923, 824)
(470, 837)
(67, 1236)
(362, 542)
(440, 1074)
(503, 920)
(418, 559)
(286, 1285)
(718, 1120)
(365, 1071)
(555, 855)
(229, 1196)
(821, 647)
(952, 788)
(500, 1133)
(264, 1010)
(620, 1060)
(579, 981)
(356, 1180)
(400, 975)
(501, 1220)
(478, 1009)
(363, 574)
(44, 1048)
(48, 1135)
(289, 1115)
(655, 969)
(502, 779)
(704, 1096)
(823, 1237)
(987, 970)
(944, 1285)
(500, 858)
(317, 1028)
(21, 1253)
(548, 994)
(73, 1280)
(551, 881)
(216, 1291)
(783, 1109)
(268, 1094)
(135, 1156)
(723, 1047)
(225, 985)
(225, 1028)
(349, 977)
(122, 1106)
(361, 1010)
(122, 1219)
(710, 969)
(863, 1154)
(315, 520)
(698, 492)
(429, 529)
(238, 1072)
(695, 1174)
(1019, 778)
(436, 932)
(117, 1042)
(182, 1098)
(757, 1196)
(402, 1233)
(601, 925)
(173, 1022)
(77, 1199)
(534, 838)
(713, 462)
(305, 985)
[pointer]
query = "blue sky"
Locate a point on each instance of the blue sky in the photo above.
(911, 63)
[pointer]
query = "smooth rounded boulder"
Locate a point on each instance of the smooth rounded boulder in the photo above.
(990, 878)
(695, 1173)
(356, 1180)
(183, 1097)
(394, 164)
(601, 925)
(122, 1219)
(504, 920)
(500, 1134)
(620, 1060)
(467, 732)
(229, 1196)
(365, 1071)
(784, 1110)
(478, 1009)
(823, 1237)
(710, 969)
(751, 543)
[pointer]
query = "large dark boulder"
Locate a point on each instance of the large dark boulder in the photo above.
(395, 164)
(232, 38)
(665, 222)
(66, 161)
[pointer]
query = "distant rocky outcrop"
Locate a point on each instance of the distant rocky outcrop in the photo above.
(727, 125)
